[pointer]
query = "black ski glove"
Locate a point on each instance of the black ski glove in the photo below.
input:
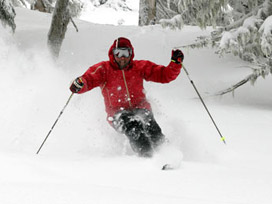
(177, 56)
(77, 85)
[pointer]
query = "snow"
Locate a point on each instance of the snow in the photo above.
(252, 22)
(116, 12)
(85, 161)
(175, 22)
(267, 26)
(266, 39)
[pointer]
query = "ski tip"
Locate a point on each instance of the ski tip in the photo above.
(167, 167)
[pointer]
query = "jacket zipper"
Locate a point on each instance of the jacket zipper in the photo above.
(125, 81)
(108, 94)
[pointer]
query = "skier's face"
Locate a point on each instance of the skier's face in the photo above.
(122, 61)
(122, 56)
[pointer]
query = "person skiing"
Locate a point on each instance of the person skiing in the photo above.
(121, 82)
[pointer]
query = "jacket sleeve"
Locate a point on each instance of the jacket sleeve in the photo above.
(159, 73)
(93, 77)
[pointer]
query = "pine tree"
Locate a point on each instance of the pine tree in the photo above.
(242, 27)
(199, 12)
(250, 38)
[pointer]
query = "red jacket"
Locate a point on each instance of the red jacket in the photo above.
(123, 89)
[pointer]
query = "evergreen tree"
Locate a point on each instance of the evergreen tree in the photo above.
(242, 27)
(7, 14)
(198, 12)
(165, 9)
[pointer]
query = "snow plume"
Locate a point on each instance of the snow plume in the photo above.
(34, 90)
(25, 76)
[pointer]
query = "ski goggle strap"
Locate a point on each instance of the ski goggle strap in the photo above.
(122, 52)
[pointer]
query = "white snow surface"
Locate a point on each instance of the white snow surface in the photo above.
(85, 161)
(114, 12)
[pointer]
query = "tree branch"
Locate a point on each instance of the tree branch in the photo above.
(74, 24)
(235, 86)
(162, 7)
(263, 71)
(240, 22)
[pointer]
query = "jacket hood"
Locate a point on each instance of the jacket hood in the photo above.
(118, 43)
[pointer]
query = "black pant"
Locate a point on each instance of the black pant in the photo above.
(142, 130)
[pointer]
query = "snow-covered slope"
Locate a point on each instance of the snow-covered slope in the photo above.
(85, 161)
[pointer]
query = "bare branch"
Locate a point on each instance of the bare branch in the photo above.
(71, 19)
(235, 86)
(264, 70)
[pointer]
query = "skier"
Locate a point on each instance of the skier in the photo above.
(121, 82)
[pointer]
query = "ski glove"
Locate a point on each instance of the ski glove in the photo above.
(177, 56)
(77, 85)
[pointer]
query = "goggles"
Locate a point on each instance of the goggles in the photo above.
(122, 52)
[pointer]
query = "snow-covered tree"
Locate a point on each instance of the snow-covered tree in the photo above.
(198, 12)
(60, 20)
(165, 9)
(75, 6)
(114, 4)
(7, 14)
(242, 27)
(20, 3)
(147, 12)
(249, 36)
(47, 6)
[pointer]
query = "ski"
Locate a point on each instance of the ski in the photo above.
(167, 167)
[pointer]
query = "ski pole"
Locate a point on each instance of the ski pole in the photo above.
(54, 124)
(187, 73)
